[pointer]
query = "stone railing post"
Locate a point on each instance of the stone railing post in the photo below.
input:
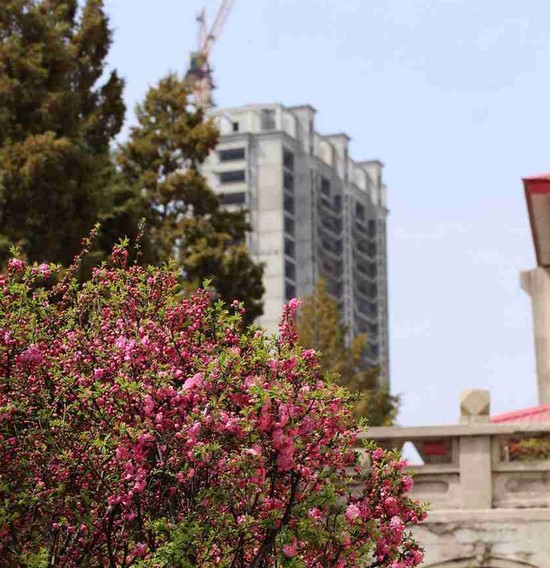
(475, 452)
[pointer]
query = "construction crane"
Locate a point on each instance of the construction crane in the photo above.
(199, 75)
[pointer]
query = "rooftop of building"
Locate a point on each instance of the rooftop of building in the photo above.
(294, 121)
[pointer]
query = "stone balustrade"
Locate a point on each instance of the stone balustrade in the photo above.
(469, 466)
(488, 508)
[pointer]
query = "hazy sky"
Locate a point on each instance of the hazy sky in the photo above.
(454, 97)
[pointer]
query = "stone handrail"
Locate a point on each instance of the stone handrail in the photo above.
(468, 466)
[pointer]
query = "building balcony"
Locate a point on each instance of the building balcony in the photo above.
(324, 206)
(334, 253)
(332, 225)
(364, 228)
(366, 270)
(364, 326)
(330, 269)
(367, 251)
(364, 311)
(368, 291)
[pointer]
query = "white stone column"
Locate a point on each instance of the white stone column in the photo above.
(537, 284)
(475, 452)
(475, 472)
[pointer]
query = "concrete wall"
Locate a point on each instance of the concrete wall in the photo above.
(269, 230)
(492, 538)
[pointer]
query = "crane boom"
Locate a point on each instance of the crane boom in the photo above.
(199, 75)
(217, 26)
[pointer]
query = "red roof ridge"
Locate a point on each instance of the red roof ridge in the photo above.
(523, 413)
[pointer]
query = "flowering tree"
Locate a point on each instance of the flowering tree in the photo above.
(142, 428)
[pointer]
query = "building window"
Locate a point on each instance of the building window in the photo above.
(360, 211)
(233, 198)
(235, 126)
(373, 269)
(335, 290)
(290, 270)
(268, 119)
(325, 186)
(232, 176)
(328, 267)
(231, 154)
(289, 204)
(290, 249)
(288, 181)
(290, 291)
(338, 202)
(288, 159)
(289, 225)
(372, 228)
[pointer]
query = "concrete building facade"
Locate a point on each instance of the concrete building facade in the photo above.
(314, 211)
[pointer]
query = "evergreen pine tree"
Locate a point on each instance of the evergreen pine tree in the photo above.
(57, 119)
(185, 221)
(320, 327)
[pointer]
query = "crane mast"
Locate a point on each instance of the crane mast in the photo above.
(199, 74)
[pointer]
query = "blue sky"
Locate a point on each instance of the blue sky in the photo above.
(454, 97)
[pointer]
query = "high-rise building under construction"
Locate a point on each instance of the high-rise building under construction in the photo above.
(315, 213)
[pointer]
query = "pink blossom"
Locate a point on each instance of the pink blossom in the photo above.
(148, 405)
(140, 550)
(98, 373)
(396, 524)
(382, 549)
(192, 382)
(16, 265)
(352, 513)
(390, 505)
(294, 305)
(407, 482)
(285, 459)
(30, 357)
(400, 464)
(309, 354)
(290, 550)
(45, 270)
(156, 406)
(265, 418)
(315, 514)
(378, 454)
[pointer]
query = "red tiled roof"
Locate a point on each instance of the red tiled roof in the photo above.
(534, 414)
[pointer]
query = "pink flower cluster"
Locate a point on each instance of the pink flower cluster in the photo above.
(137, 425)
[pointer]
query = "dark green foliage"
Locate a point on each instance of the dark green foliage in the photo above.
(160, 166)
(57, 120)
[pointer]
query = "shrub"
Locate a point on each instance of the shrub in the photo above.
(142, 428)
(529, 449)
